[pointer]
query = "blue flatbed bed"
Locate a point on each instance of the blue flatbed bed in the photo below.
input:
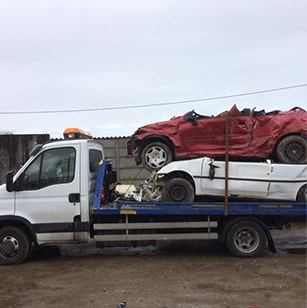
(259, 208)
(244, 226)
(203, 208)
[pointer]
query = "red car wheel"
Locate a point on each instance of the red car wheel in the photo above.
(156, 155)
(292, 150)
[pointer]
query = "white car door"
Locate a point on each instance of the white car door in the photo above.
(250, 179)
(49, 193)
(245, 179)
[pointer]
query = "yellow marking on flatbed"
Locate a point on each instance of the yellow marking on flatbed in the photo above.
(127, 212)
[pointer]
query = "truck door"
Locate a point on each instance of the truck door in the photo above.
(48, 193)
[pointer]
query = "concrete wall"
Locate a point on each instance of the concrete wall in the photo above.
(127, 170)
(14, 151)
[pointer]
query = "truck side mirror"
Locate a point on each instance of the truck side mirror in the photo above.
(9, 182)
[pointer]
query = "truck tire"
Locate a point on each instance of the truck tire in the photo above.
(246, 239)
(292, 150)
(14, 246)
(155, 155)
(178, 190)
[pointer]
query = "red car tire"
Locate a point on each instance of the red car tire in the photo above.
(156, 155)
(292, 150)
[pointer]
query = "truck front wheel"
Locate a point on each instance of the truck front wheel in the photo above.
(246, 239)
(14, 245)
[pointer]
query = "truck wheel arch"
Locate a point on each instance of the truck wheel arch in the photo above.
(19, 222)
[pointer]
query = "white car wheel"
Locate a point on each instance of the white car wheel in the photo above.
(178, 190)
(302, 194)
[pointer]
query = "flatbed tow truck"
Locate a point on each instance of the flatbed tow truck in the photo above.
(74, 205)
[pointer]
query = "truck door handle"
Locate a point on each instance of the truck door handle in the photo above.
(73, 198)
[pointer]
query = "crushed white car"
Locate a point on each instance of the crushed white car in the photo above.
(185, 180)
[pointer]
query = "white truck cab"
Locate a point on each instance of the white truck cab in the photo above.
(50, 196)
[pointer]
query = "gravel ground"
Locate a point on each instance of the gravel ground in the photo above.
(174, 274)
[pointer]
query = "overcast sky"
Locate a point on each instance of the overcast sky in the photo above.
(72, 55)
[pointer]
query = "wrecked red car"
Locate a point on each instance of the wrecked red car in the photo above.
(278, 135)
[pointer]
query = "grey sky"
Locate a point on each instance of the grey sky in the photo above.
(57, 54)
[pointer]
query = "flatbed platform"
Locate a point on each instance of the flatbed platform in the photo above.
(203, 208)
(237, 208)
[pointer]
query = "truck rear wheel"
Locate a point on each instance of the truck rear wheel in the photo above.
(246, 239)
(14, 245)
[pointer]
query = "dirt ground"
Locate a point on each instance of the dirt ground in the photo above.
(168, 275)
